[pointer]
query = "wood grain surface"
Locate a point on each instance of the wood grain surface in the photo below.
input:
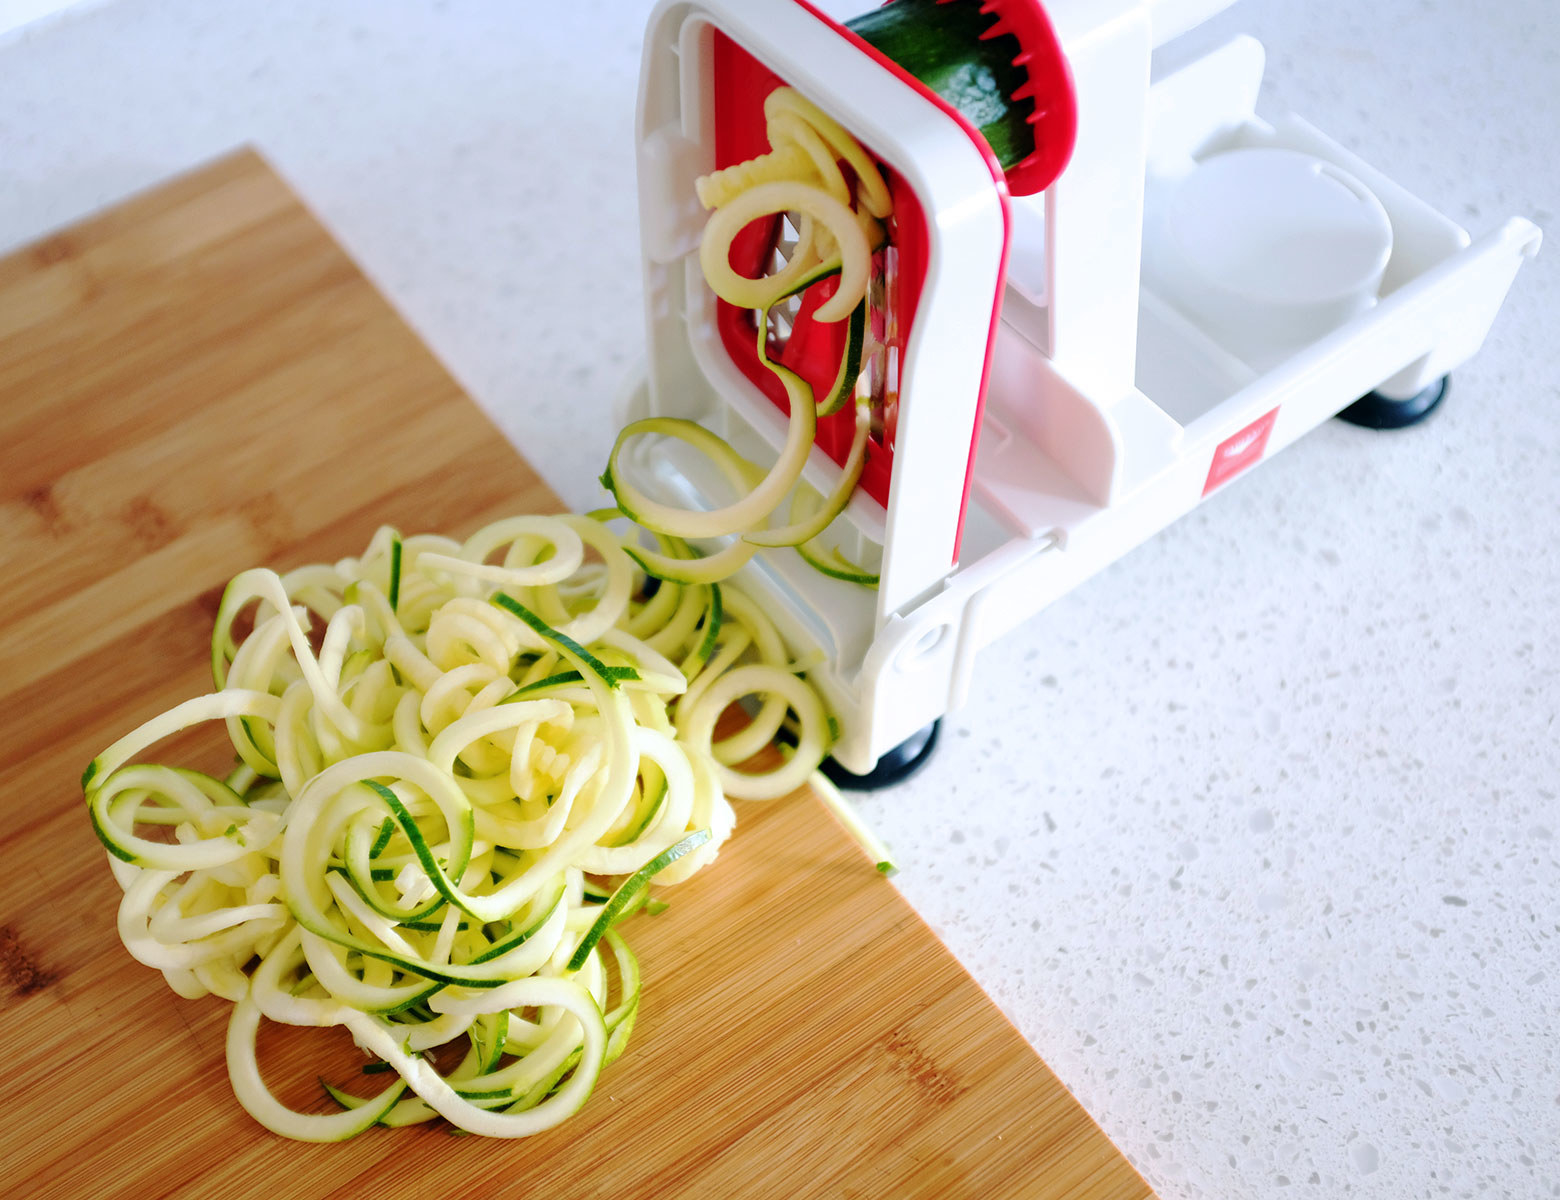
(200, 381)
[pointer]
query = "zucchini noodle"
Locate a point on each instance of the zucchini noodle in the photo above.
(459, 766)
(839, 226)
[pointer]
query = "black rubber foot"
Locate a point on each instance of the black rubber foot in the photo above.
(903, 761)
(1378, 412)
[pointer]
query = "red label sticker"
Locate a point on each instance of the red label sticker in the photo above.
(1239, 451)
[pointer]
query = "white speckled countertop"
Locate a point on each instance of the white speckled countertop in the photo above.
(1257, 835)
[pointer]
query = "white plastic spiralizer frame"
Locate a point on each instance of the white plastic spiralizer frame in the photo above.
(1109, 412)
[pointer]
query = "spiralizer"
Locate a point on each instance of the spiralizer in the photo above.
(1104, 295)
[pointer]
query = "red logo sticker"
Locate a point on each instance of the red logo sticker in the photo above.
(1239, 451)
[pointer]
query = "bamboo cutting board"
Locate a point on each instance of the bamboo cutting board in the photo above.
(200, 381)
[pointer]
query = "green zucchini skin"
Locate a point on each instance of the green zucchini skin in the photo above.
(940, 44)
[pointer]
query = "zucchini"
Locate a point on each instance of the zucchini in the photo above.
(944, 45)
(402, 849)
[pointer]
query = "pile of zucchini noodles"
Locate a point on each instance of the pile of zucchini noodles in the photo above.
(840, 225)
(444, 800)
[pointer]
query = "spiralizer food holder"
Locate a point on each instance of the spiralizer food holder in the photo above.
(1054, 379)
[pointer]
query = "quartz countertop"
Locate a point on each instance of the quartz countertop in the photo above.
(1254, 835)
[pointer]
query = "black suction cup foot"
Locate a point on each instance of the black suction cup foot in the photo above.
(1376, 411)
(897, 765)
